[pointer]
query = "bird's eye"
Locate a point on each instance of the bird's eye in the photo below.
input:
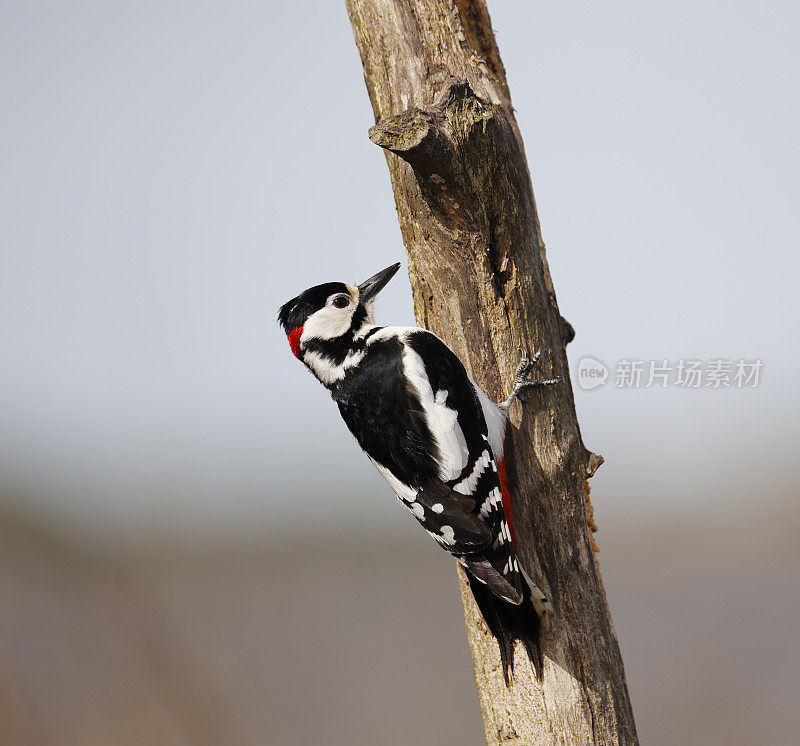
(341, 301)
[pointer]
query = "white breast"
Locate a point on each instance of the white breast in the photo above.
(495, 421)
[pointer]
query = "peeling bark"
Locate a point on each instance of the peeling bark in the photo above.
(480, 281)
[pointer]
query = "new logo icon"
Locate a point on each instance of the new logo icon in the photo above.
(591, 373)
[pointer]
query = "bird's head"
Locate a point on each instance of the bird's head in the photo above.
(331, 310)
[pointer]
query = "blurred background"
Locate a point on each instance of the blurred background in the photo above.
(194, 550)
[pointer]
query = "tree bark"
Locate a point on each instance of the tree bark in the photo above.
(480, 281)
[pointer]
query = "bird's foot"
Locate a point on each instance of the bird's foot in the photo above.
(523, 379)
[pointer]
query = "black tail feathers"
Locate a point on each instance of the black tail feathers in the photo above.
(509, 623)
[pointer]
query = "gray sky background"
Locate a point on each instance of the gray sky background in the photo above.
(174, 171)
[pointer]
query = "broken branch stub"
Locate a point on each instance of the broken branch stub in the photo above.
(441, 144)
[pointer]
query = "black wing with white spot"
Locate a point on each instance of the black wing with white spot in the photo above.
(478, 480)
(451, 519)
(427, 434)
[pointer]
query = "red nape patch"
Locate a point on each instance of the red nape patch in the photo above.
(501, 472)
(294, 340)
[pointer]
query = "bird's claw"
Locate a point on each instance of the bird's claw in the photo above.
(522, 379)
(526, 365)
(522, 394)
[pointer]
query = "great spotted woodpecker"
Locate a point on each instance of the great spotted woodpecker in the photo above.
(432, 433)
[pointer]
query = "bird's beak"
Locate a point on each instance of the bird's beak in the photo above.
(368, 289)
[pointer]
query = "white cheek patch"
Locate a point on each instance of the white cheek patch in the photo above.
(328, 323)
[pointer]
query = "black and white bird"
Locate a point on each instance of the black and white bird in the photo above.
(433, 434)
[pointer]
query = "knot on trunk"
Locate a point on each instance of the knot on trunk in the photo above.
(446, 145)
(594, 462)
(420, 140)
(567, 331)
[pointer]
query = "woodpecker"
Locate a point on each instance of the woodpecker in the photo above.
(433, 434)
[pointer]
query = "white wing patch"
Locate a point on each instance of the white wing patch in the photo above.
(442, 421)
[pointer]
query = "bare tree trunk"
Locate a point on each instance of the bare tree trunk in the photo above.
(480, 281)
